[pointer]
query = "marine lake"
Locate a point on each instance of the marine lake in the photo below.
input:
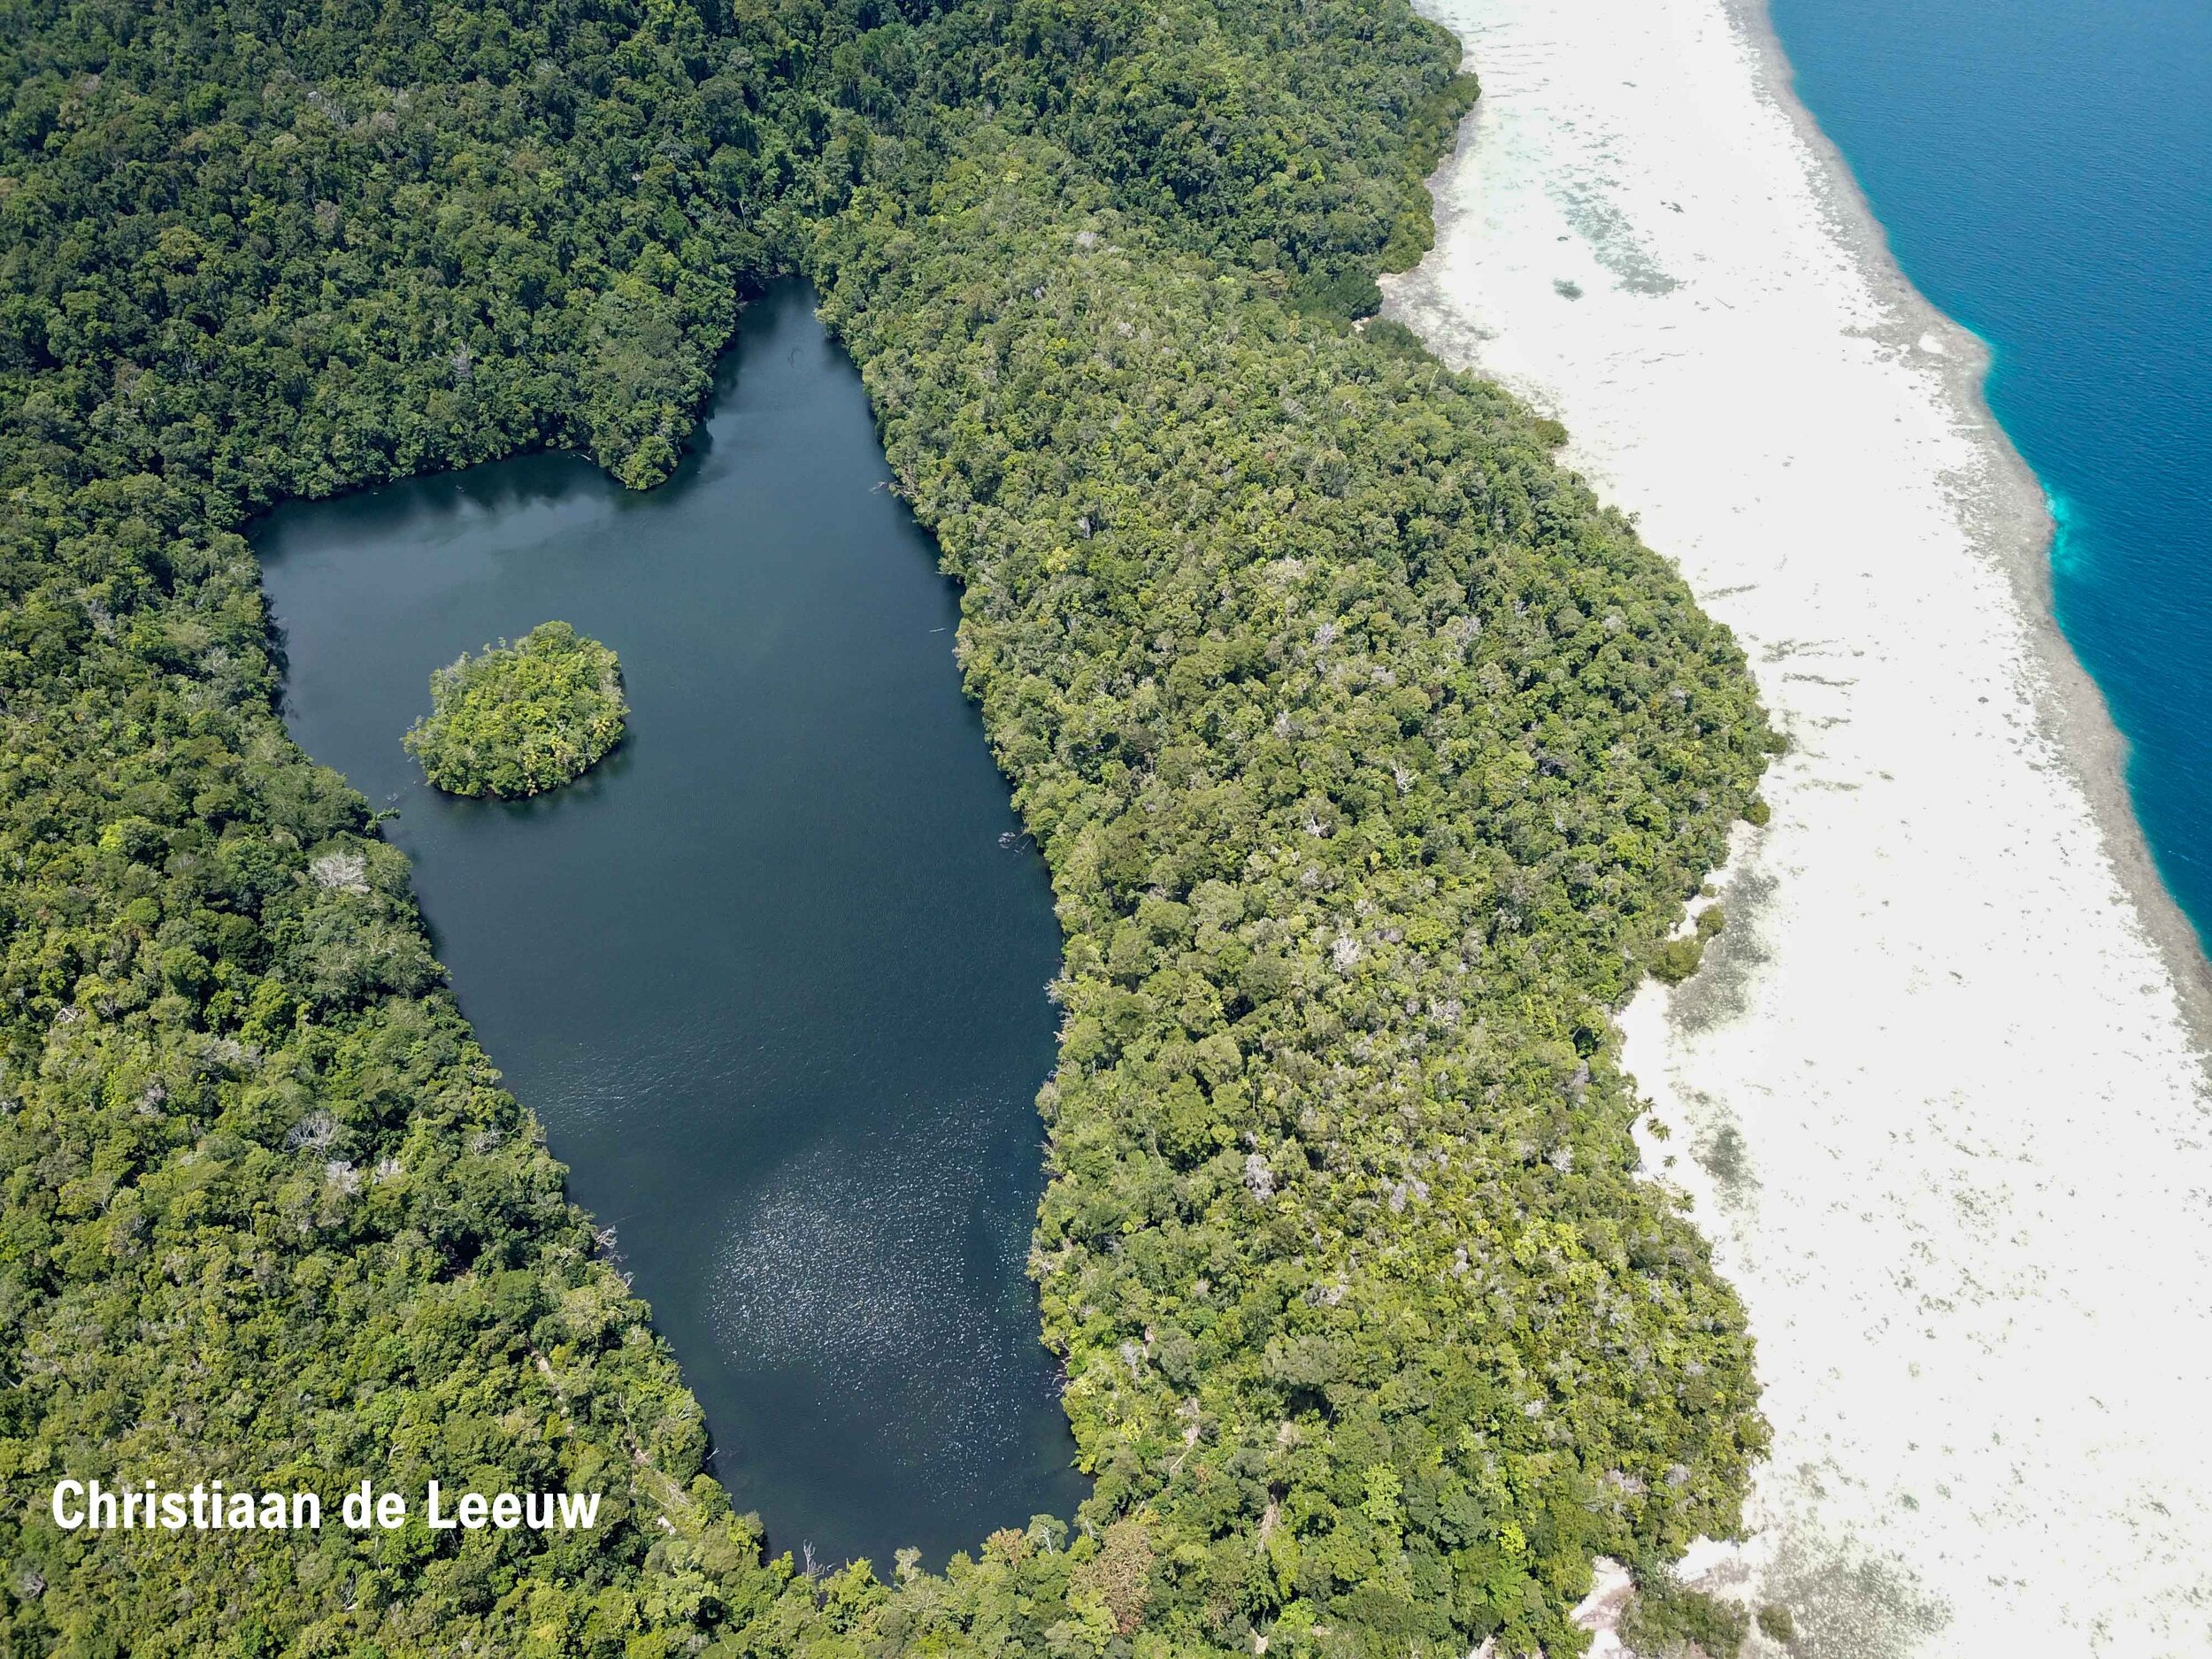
(773, 974)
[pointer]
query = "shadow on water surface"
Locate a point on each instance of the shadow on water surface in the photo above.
(770, 975)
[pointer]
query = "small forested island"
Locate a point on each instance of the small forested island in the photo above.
(519, 719)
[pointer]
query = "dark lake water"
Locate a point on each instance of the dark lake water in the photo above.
(773, 974)
(2044, 170)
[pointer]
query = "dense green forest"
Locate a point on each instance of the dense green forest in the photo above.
(1372, 761)
(518, 719)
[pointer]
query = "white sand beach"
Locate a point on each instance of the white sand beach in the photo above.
(1938, 1096)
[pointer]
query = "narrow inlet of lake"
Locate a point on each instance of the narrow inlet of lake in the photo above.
(773, 974)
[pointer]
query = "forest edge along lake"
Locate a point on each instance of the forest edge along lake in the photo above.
(773, 974)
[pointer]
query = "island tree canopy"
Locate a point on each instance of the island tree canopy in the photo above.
(518, 719)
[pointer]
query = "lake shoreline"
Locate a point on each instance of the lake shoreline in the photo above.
(1965, 1248)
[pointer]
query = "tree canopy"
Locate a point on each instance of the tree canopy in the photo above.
(518, 719)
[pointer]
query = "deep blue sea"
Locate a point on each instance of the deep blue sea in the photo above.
(2044, 170)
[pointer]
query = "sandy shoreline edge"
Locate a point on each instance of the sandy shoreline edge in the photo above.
(1938, 1097)
(2016, 529)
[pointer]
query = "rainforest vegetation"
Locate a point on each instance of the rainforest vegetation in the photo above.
(521, 718)
(1373, 762)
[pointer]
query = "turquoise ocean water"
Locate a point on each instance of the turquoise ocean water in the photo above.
(2044, 171)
